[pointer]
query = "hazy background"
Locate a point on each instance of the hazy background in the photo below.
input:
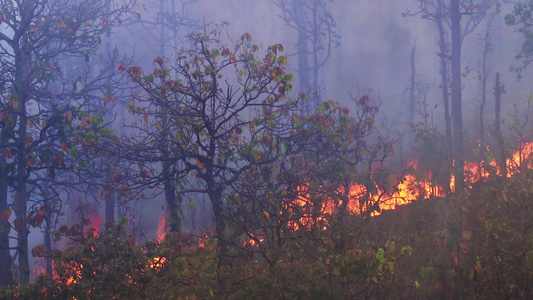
(374, 54)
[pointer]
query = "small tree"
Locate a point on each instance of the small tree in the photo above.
(225, 97)
(40, 106)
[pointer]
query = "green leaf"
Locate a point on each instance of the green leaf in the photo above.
(149, 78)
(73, 151)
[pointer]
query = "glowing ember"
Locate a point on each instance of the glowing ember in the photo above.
(77, 276)
(254, 241)
(157, 262)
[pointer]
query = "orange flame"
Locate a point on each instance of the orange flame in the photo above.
(162, 228)
(408, 190)
(96, 223)
(411, 189)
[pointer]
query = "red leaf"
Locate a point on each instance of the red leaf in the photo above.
(479, 270)
(38, 218)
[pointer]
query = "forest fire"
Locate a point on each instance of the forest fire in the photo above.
(407, 190)
(411, 189)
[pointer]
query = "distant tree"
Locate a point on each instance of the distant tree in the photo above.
(452, 32)
(435, 11)
(317, 36)
(42, 109)
(169, 26)
(487, 39)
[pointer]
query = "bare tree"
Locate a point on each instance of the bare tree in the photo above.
(486, 39)
(447, 17)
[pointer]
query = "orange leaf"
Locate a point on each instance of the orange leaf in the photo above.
(42, 209)
(64, 147)
(16, 224)
(199, 164)
(5, 215)
(479, 270)
(9, 154)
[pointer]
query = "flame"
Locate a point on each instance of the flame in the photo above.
(96, 223)
(162, 228)
(407, 190)
(410, 188)
(523, 154)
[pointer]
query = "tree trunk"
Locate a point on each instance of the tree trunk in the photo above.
(457, 114)
(110, 206)
(22, 58)
(486, 49)
(412, 88)
(173, 200)
(47, 229)
(48, 244)
(497, 128)
(444, 82)
(316, 48)
(6, 276)
(483, 98)
(21, 196)
(303, 53)
(220, 234)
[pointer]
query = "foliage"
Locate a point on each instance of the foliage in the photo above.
(46, 116)
(521, 17)
(184, 267)
(474, 246)
(208, 115)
